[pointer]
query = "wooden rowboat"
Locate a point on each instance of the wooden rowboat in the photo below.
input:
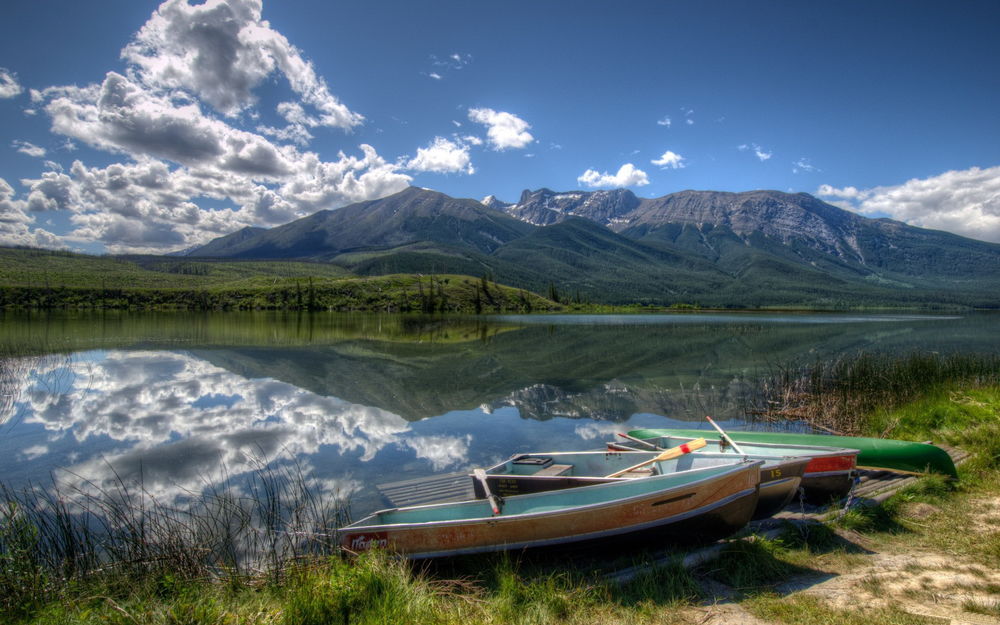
(690, 505)
(540, 472)
(876, 453)
(829, 474)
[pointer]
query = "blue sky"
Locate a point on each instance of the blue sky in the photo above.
(132, 126)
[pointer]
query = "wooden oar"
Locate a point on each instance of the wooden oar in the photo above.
(725, 436)
(669, 454)
(640, 441)
(494, 502)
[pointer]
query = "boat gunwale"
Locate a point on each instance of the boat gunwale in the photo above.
(827, 450)
(827, 473)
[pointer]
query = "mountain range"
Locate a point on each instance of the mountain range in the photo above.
(750, 249)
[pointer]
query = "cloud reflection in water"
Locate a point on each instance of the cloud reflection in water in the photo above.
(181, 424)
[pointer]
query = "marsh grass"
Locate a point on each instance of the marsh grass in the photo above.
(67, 541)
(856, 394)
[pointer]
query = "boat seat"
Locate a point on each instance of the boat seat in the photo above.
(555, 469)
(640, 472)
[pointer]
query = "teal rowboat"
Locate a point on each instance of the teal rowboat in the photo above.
(875, 453)
(687, 505)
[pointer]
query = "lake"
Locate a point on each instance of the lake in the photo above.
(187, 401)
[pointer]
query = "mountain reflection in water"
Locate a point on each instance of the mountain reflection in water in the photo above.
(186, 402)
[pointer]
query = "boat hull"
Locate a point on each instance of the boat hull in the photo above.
(875, 453)
(779, 483)
(657, 509)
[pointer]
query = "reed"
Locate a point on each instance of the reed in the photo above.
(845, 395)
(60, 538)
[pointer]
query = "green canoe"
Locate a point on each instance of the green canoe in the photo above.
(876, 453)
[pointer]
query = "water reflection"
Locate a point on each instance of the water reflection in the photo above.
(367, 401)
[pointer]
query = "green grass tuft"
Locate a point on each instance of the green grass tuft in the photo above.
(669, 583)
(751, 565)
(375, 588)
(810, 537)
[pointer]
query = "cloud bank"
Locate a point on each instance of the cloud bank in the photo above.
(966, 202)
(190, 171)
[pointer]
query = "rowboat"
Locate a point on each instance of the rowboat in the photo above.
(829, 474)
(534, 473)
(875, 453)
(699, 504)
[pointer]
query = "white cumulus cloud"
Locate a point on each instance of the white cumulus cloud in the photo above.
(30, 149)
(670, 160)
(965, 202)
(9, 87)
(191, 172)
(15, 222)
(628, 176)
(148, 206)
(504, 130)
(442, 156)
(221, 51)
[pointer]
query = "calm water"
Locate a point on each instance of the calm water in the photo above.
(185, 400)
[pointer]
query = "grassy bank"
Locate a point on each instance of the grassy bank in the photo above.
(44, 280)
(859, 394)
(395, 293)
(183, 567)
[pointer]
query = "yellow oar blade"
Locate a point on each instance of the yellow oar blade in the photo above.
(673, 452)
(680, 450)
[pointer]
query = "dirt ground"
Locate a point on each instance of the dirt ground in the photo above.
(935, 585)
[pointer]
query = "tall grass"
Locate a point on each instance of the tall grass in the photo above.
(842, 395)
(56, 539)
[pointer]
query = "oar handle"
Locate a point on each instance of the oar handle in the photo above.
(673, 452)
(481, 476)
(725, 436)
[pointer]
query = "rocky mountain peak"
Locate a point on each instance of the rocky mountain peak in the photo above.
(491, 201)
(544, 206)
